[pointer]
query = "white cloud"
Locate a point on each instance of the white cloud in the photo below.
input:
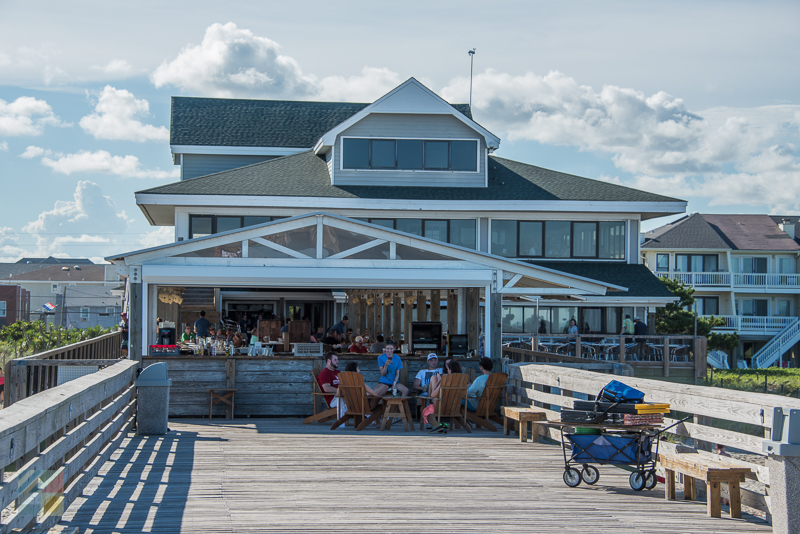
(726, 155)
(102, 162)
(82, 223)
(234, 62)
(8, 235)
(370, 85)
(34, 152)
(117, 68)
(161, 235)
(26, 116)
(4, 146)
(115, 118)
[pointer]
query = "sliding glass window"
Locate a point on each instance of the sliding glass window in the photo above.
(459, 232)
(410, 154)
(559, 239)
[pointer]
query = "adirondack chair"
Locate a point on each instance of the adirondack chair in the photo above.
(317, 398)
(487, 403)
(448, 403)
(354, 394)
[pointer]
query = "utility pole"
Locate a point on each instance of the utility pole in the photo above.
(471, 59)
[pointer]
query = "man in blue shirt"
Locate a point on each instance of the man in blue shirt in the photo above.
(201, 325)
(389, 365)
(341, 326)
(476, 389)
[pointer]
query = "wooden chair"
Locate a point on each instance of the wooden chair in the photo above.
(354, 394)
(448, 402)
(487, 403)
(327, 413)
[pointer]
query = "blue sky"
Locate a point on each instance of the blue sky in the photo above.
(699, 102)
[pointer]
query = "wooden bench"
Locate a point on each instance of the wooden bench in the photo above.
(714, 471)
(523, 418)
(222, 395)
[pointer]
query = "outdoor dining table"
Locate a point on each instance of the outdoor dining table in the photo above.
(396, 407)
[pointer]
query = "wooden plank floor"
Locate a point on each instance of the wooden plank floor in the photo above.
(277, 475)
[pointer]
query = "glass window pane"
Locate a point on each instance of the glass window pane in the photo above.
(356, 153)
(682, 263)
(592, 319)
(462, 233)
(383, 154)
(252, 221)
(436, 154)
(747, 265)
(228, 223)
(710, 306)
(613, 326)
(201, 226)
(464, 155)
(784, 308)
(386, 223)
(662, 262)
(697, 264)
(504, 238)
(611, 243)
(785, 265)
(512, 319)
(584, 240)
(759, 265)
(562, 317)
(409, 154)
(410, 226)
(761, 307)
(544, 320)
(710, 264)
(556, 239)
(530, 238)
(436, 230)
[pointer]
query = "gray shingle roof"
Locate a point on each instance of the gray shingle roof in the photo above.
(721, 231)
(258, 123)
(90, 296)
(56, 273)
(639, 280)
(306, 175)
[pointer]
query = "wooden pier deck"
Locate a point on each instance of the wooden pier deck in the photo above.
(277, 475)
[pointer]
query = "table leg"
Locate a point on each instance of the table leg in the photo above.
(689, 488)
(669, 483)
(505, 425)
(523, 430)
(735, 497)
(713, 499)
(408, 415)
(210, 404)
(534, 432)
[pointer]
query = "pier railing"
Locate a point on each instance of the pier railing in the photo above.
(53, 444)
(736, 419)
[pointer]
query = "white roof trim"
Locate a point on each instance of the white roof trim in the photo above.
(377, 232)
(236, 150)
(328, 139)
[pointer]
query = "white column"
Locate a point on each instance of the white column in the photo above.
(487, 321)
(143, 318)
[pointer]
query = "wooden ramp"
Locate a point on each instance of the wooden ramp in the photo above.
(278, 475)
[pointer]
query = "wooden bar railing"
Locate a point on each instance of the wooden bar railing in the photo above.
(727, 417)
(55, 443)
(26, 377)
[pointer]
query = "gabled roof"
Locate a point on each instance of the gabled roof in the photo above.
(721, 232)
(259, 123)
(306, 175)
(56, 273)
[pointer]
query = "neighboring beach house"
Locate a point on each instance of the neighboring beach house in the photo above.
(744, 268)
(303, 206)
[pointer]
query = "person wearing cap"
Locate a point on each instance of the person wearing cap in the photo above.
(423, 378)
(358, 347)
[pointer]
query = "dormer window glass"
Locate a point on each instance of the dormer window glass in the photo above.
(410, 154)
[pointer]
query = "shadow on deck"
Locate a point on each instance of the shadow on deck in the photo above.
(277, 475)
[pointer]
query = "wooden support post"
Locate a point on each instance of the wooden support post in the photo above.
(666, 356)
(369, 322)
(473, 316)
(735, 498)
(578, 346)
(713, 499)
(362, 311)
(621, 349)
(230, 383)
(495, 324)
(689, 488)
(436, 308)
(378, 316)
(422, 306)
(408, 316)
(669, 483)
(355, 315)
(387, 315)
(397, 315)
(452, 312)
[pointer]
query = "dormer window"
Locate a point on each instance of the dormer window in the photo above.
(457, 155)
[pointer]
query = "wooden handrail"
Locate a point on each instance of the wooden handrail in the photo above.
(79, 424)
(27, 376)
(548, 386)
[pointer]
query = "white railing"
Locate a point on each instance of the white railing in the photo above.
(772, 351)
(717, 359)
(736, 280)
(753, 325)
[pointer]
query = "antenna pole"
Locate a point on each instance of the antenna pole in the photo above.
(471, 59)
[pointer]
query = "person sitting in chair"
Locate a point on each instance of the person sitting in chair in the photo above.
(389, 365)
(476, 388)
(328, 379)
(450, 367)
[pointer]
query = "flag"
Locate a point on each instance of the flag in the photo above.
(49, 307)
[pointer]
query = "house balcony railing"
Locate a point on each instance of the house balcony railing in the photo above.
(763, 282)
(746, 324)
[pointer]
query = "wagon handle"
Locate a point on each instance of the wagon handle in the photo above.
(674, 424)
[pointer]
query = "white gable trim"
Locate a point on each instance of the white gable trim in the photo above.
(436, 105)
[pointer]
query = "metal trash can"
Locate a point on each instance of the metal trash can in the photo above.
(153, 400)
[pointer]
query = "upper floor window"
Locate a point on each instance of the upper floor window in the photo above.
(203, 225)
(459, 232)
(559, 239)
(754, 265)
(3, 306)
(410, 154)
(662, 262)
(696, 263)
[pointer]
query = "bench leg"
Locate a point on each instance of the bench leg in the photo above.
(689, 488)
(505, 425)
(523, 431)
(713, 499)
(669, 483)
(534, 432)
(735, 497)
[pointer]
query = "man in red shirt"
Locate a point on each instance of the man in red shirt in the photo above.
(328, 379)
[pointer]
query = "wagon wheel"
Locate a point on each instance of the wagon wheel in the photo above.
(590, 474)
(637, 480)
(650, 480)
(572, 477)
